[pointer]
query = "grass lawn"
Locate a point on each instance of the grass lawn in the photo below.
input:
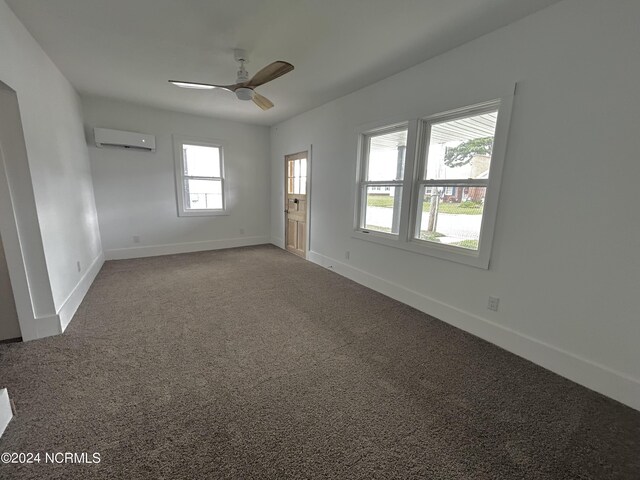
(468, 208)
(431, 236)
(470, 244)
(377, 228)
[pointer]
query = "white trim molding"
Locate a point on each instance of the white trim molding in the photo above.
(56, 323)
(46, 326)
(70, 305)
(5, 410)
(597, 377)
(187, 247)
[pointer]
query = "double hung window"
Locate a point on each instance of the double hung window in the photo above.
(431, 185)
(454, 166)
(382, 180)
(199, 177)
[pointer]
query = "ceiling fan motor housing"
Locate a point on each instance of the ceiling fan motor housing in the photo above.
(244, 93)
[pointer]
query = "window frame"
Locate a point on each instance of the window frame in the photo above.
(414, 165)
(178, 144)
(363, 183)
(425, 125)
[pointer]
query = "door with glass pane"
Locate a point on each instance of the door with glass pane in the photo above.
(295, 207)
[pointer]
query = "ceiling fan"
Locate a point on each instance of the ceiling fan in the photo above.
(244, 88)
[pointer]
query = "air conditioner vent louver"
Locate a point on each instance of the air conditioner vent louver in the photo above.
(106, 137)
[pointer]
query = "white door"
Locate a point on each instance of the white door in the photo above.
(295, 206)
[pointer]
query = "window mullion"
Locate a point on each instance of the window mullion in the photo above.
(417, 187)
(409, 172)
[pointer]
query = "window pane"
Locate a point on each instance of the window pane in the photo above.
(203, 194)
(201, 161)
(296, 169)
(382, 209)
(303, 176)
(386, 156)
(451, 215)
(297, 176)
(461, 148)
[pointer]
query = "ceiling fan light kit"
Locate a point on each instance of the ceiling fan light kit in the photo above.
(244, 88)
(195, 86)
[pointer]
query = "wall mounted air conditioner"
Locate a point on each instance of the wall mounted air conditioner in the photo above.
(106, 137)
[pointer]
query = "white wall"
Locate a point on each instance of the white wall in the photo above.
(60, 177)
(136, 193)
(565, 260)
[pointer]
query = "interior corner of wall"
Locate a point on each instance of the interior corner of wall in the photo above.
(277, 241)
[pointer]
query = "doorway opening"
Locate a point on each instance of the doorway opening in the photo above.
(9, 325)
(15, 234)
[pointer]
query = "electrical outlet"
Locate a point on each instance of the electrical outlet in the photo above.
(79, 266)
(136, 239)
(493, 303)
(347, 254)
(242, 231)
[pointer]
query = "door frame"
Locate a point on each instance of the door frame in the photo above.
(309, 150)
(15, 247)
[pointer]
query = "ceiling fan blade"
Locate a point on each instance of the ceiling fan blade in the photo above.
(263, 102)
(270, 72)
(202, 86)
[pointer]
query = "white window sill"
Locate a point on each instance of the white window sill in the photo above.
(464, 256)
(203, 213)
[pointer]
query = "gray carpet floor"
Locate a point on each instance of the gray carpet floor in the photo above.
(252, 363)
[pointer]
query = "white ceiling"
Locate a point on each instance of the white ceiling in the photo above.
(128, 49)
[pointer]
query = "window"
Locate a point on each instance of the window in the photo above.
(382, 180)
(455, 164)
(431, 185)
(199, 177)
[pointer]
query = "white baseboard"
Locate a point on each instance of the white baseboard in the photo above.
(73, 301)
(173, 248)
(5, 410)
(583, 371)
(55, 324)
(46, 326)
